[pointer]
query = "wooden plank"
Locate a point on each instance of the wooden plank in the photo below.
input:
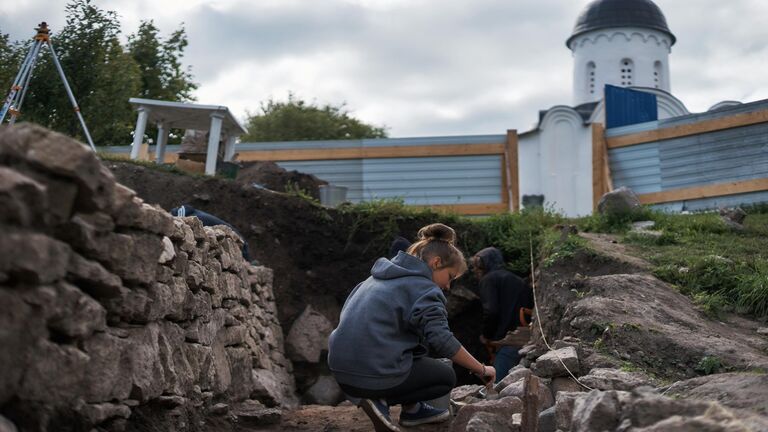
(372, 152)
(471, 209)
(531, 409)
(512, 170)
(505, 195)
(708, 191)
(736, 120)
(598, 163)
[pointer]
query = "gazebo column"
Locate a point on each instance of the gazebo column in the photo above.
(214, 135)
(162, 140)
(229, 148)
(138, 133)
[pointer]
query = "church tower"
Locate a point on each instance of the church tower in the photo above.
(622, 43)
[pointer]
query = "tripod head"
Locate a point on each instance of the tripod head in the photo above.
(43, 32)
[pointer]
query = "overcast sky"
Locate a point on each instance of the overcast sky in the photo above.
(424, 67)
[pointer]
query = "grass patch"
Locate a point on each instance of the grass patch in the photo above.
(721, 269)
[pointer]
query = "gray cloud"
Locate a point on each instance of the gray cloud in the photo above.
(431, 67)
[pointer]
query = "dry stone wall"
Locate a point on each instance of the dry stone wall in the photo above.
(114, 314)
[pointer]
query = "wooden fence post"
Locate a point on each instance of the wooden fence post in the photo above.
(599, 162)
(530, 417)
(511, 170)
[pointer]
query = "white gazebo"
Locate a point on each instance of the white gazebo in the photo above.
(166, 115)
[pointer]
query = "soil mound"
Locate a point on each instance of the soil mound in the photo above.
(273, 177)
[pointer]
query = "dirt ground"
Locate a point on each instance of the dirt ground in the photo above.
(345, 418)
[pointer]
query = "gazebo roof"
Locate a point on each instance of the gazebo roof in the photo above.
(183, 115)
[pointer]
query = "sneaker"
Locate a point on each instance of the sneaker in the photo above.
(426, 414)
(379, 415)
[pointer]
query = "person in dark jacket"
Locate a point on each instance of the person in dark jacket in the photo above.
(502, 294)
(208, 219)
(398, 244)
(390, 322)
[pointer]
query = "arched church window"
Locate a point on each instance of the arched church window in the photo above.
(591, 77)
(657, 74)
(627, 71)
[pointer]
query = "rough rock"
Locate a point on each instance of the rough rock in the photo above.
(489, 422)
(551, 364)
(517, 389)
(614, 379)
(504, 406)
(547, 420)
(618, 203)
(6, 425)
(253, 413)
(325, 391)
(515, 374)
(308, 336)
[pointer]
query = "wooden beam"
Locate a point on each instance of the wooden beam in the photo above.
(470, 209)
(598, 163)
(709, 191)
(506, 197)
(511, 169)
(736, 120)
(372, 152)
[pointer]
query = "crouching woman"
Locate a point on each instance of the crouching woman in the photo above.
(391, 321)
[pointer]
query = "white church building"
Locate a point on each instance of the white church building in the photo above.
(624, 43)
(673, 159)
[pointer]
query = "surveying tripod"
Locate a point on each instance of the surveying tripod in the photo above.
(20, 85)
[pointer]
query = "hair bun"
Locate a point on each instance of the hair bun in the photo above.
(437, 232)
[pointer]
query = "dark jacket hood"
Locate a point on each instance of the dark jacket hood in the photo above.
(402, 265)
(491, 259)
(398, 244)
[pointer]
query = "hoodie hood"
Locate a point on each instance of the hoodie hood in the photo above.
(491, 258)
(402, 265)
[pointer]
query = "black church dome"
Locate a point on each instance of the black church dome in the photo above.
(601, 14)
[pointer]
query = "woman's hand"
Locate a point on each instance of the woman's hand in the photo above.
(487, 374)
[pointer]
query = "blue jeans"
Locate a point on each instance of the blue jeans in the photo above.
(507, 357)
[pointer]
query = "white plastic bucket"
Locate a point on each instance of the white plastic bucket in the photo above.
(332, 196)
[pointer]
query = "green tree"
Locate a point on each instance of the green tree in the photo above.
(9, 58)
(162, 75)
(159, 61)
(102, 73)
(296, 120)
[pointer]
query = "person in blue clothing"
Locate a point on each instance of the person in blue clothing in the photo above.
(208, 219)
(388, 325)
(503, 295)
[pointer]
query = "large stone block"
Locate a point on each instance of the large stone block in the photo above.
(325, 391)
(55, 374)
(23, 200)
(597, 411)
(60, 155)
(108, 378)
(544, 398)
(614, 379)
(504, 407)
(36, 258)
(145, 217)
(308, 336)
(75, 314)
(93, 278)
(554, 363)
(144, 362)
(618, 203)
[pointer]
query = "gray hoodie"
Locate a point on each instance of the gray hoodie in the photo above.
(384, 321)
